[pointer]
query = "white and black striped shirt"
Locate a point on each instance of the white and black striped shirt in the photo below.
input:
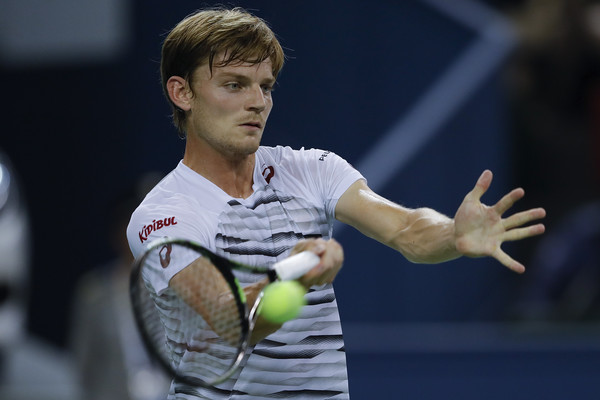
(294, 198)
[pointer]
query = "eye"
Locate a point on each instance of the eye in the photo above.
(267, 89)
(233, 85)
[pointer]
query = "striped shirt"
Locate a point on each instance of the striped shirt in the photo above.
(294, 197)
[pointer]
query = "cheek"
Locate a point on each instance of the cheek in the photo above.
(215, 104)
(212, 114)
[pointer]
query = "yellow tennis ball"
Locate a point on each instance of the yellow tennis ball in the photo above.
(282, 301)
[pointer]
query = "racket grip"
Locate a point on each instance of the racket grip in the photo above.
(295, 266)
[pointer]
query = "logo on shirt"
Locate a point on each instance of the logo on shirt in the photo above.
(155, 226)
(325, 154)
(165, 255)
(268, 173)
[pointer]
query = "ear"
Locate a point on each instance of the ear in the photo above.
(179, 92)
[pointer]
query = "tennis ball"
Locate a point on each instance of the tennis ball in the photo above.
(282, 301)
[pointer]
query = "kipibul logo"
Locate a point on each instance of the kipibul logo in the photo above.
(156, 225)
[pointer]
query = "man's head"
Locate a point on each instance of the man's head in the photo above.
(200, 37)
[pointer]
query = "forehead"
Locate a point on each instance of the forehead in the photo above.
(221, 66)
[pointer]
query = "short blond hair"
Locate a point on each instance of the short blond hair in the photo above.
(202, 35)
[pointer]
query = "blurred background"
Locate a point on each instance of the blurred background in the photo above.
(419, 95)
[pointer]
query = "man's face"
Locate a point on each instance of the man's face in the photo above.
(230, 106)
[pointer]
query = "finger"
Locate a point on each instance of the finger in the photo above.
(322, 273)
(301, 246)
(523, 218)
(482, 185)
(332, 261)
(312, 277)
(332, 258)
(522, 233)
(317, 246)
(508, 200)
(508, 261)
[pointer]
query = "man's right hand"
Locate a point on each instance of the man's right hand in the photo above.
(332, 258)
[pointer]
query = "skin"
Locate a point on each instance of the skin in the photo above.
(425, 236)
(227, 110)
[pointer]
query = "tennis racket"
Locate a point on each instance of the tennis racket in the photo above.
(199, 327)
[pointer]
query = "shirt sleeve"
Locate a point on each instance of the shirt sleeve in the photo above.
(149, 223)
(329, 173)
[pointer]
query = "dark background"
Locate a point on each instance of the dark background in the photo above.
(81, 128)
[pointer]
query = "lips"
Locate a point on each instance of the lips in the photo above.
(254, 124)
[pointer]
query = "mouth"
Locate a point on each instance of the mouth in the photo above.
(253, 124)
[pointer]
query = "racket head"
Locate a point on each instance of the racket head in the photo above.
(198, 331)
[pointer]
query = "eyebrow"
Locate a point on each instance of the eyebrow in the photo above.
(242, 78)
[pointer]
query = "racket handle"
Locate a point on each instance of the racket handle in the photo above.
(295, 266)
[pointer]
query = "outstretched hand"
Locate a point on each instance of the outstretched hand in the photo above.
(480, 230)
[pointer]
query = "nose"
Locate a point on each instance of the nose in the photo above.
(257, 99)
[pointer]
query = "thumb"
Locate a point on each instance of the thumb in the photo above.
(482, 185)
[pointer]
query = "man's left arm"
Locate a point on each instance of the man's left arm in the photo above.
(424, 235)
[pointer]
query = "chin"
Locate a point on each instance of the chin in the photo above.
(243, 151)
(252, 149)
(252, 145)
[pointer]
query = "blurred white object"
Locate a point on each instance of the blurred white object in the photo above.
(34, 32)
(14, 257)
(29, 368)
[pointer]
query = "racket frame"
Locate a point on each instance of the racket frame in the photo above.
(247, 315)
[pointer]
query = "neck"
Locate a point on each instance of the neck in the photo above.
(234, 174)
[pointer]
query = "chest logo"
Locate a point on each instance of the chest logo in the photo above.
(268, 173)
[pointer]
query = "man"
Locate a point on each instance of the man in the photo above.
(258, 204)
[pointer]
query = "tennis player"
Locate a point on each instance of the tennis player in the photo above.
(257, 204)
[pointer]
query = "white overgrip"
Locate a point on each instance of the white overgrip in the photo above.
(295, 266)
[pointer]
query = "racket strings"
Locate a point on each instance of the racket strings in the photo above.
(195, 325)
(210, 294)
